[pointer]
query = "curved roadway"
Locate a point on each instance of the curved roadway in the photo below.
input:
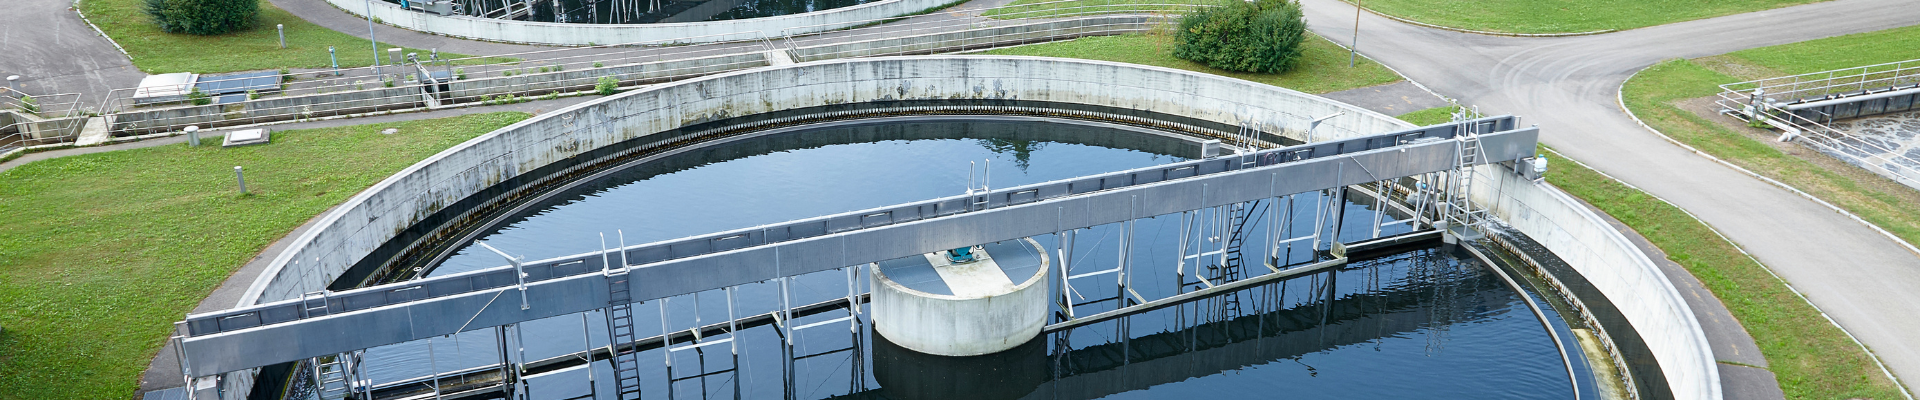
(1866, 281)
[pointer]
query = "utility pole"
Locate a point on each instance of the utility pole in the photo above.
(1353, 52)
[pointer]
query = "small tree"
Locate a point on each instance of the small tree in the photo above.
(1263, 37)
(29, 105)
(203, 17)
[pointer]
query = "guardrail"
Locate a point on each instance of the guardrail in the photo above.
(1808, 114)
(48, 119)
(1828, 84)
(516, 77)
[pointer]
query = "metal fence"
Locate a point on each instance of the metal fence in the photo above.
(1759, 103)
(1829, 84)
(47, 119)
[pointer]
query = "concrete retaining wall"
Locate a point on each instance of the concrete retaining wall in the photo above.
(267, 110)
(585, 79)
(356, 227)
(512, 31)
(1631, 281)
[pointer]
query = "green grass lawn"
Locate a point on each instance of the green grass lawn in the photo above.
(1811, 360)
(1431, 116)
(101, 253)
(156, 52)
(1564, 16)
(1322, 70)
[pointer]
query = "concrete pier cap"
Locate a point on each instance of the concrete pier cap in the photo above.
(971, 308)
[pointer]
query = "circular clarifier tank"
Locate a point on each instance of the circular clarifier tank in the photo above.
(963, 302)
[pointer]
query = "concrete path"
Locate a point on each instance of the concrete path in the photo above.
(54, 51)
(1390, 99)
(1568, 86)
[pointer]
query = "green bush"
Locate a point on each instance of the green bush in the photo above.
(199, 98)
(1262, 37)
(607, 86)
(29, 105)
(203, 17)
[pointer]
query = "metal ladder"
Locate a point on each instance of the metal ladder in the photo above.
(1460, 210)
(626, 360)
(335, 375)
(1232, 266)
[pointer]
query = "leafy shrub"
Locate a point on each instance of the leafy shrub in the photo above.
(203, 17)
(28, 104)
(199, 98)
(253, 95)
(607, 86)
(1261, 37)
(597, 64)
(285, 75)
(460, 73)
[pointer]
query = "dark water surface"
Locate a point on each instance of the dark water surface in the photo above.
(1426, 323)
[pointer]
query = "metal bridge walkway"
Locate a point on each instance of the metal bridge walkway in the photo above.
(267, 334)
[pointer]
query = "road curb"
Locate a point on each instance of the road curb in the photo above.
(97, 31)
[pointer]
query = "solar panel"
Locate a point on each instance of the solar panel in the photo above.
(239, 83)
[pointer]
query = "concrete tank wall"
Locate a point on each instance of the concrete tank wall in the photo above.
(352, 230)
(511, 31)
(1631, 281)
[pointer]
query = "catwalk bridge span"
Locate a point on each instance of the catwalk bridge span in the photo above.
(328, 324)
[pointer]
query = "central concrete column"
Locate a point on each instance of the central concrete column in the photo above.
(986, 313)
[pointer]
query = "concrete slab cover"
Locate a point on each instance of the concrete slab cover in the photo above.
(980, 278)
(245, 137)
(165, 85)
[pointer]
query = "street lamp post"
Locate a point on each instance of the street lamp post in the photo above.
(370, 39)
(1353, 51)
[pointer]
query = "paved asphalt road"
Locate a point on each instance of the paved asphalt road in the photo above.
(1867, 282)
(54, 51)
